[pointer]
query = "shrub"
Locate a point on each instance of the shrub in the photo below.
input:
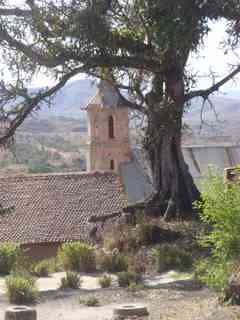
(152, 234)
(23, 264)
(135, 286)
(231, 292)
(71, 280)
(148, 234)
(21, 288)
(171, 257)
(216, 276)
(220, 211)
(126, 278)
(43, 268)
(113, 261)
(77, 256)
(90, 301)
(200, 269)
(139, 262)
(121, 237)
(105, 281)
(9, 253)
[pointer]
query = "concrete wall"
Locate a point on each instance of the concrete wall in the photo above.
(199, 158)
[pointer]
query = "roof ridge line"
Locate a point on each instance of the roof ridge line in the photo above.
(51, 174)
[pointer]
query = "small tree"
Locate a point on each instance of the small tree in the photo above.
(220, 211)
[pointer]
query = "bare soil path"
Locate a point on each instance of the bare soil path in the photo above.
(179, 300)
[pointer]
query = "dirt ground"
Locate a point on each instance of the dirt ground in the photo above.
(181, 300)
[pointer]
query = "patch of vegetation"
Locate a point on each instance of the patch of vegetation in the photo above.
(139, 262)
(21, 289)
(127, 278)
(105, 281)
(135, 286)
(122, 238)
(90, 301)
(77, 256)
(70, 281)
(113, 261)
(149, 234)
(40, 153)
(182, 275)
(9, 254)
(220, 212)
(169, 257)
(43, 268)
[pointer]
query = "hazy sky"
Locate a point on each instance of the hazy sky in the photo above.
(210, 57)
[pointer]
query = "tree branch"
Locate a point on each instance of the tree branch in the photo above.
(29, 52)
(206, 92)
(31, 103)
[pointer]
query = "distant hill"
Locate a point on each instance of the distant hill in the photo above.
(56, 139)
(223, 120)
(75, 95)
(70, 100)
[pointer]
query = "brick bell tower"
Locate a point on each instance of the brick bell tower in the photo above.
(108, 127)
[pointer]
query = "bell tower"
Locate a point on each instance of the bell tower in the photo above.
(108, 129)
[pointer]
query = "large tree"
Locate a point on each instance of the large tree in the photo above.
(142, 46)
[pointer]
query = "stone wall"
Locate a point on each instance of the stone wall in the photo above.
(39, 251)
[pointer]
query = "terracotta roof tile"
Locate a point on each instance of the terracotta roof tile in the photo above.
(56, 207)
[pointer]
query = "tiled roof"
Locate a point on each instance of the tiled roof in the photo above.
(56, 207)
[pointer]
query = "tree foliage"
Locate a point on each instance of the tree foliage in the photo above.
(142, 46)
(220, 210)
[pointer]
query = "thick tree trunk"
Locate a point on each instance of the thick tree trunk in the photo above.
(174, 184)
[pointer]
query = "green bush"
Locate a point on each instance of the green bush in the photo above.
(171, 257)
(136, 286)
(43, 268)
(77, 256)
(220, 211)
(113, 261)
(105, 281)
(71, 280)
(90, 301)
(200, 269)
(21, 288)
(127, 278)
(9, 254)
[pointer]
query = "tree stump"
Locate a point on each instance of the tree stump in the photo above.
(130, 311)
(20, 313)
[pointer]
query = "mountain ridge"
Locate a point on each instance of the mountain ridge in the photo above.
(223, 120)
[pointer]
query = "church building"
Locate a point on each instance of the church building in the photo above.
(42, 211)
(109, 145)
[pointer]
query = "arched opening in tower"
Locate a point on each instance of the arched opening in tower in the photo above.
(111, 127)
(112, 165)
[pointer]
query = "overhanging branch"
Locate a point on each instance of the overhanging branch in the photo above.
(207, 92)
(31, 103)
